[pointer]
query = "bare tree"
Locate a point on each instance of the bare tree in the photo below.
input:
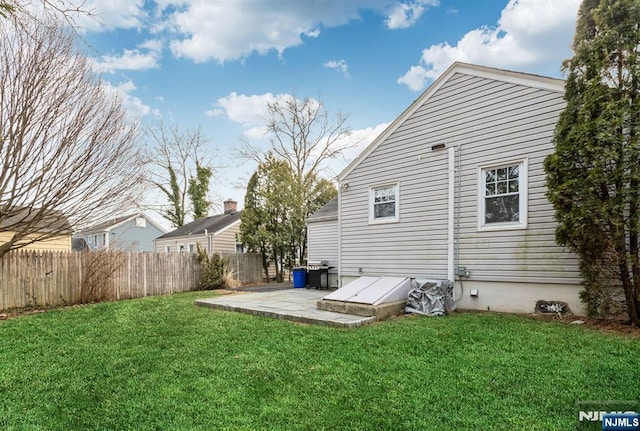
(68, 149)
(26, 11)
(303, 133)
(305, 136)
(179, 158)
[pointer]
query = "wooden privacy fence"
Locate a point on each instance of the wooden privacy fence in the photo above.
(246, 268)
(44, 278)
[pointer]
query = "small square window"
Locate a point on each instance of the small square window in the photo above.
(383, 204)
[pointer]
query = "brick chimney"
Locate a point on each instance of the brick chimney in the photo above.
(230, 206)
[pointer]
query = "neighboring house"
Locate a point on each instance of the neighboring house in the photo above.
(53, 220)
(322, 238)
(134, 232)
(455, 189)
(216, 234)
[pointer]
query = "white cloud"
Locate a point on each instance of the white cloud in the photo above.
(132, 104)
(361, 139)
(340, 66)
(532, 35)
(230, 30)
(249, 111)
(225, 30)
(130, 59)
(404, 15)
(111, 14)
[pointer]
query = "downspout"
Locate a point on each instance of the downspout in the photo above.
(340, 185)
(206, 234)
(457, 233)
(451, 217)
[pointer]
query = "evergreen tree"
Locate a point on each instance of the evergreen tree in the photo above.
(252, 231)
(594, 174)
(267, 216)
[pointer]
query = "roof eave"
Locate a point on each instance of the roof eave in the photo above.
(538, 81)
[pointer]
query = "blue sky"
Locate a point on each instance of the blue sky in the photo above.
(215, 64)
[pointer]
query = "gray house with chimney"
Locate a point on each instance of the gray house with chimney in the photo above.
(216, 234)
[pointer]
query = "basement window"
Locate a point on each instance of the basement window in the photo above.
(502, 202)
(383, 204)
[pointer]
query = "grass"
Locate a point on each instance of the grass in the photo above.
(163, 364)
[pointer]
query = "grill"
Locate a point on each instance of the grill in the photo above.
(318, 275)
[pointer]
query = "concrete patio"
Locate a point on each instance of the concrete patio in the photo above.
(297, 305)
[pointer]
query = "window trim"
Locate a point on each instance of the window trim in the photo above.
(382, 220)
(523, 163)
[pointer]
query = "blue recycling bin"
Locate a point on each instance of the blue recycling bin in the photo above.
(299, 277)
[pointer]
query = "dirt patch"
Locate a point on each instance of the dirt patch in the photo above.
(611, 326)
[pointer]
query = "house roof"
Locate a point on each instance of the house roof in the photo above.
(118, 221)
(328, 212)
(530, 80)
(47, 221)
(212, 225)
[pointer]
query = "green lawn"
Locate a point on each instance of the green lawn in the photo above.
(163, 364)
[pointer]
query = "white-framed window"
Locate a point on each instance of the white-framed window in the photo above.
(239, 247)
(167, 249)
(502, 202)
(191, 248)
(181, 248)
(384, 203)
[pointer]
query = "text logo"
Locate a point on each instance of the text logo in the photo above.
(629, 421)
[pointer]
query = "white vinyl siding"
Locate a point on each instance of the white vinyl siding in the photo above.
(485, 121)
(323, 242)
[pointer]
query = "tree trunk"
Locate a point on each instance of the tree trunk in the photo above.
(633, 303)
(265, 265)
(628, 286)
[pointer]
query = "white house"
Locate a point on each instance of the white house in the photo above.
(455, 189)
(322, 239)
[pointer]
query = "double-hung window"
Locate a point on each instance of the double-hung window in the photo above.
(384, 204)
(503, 196)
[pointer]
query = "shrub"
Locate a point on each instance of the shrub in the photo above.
(214, 272)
